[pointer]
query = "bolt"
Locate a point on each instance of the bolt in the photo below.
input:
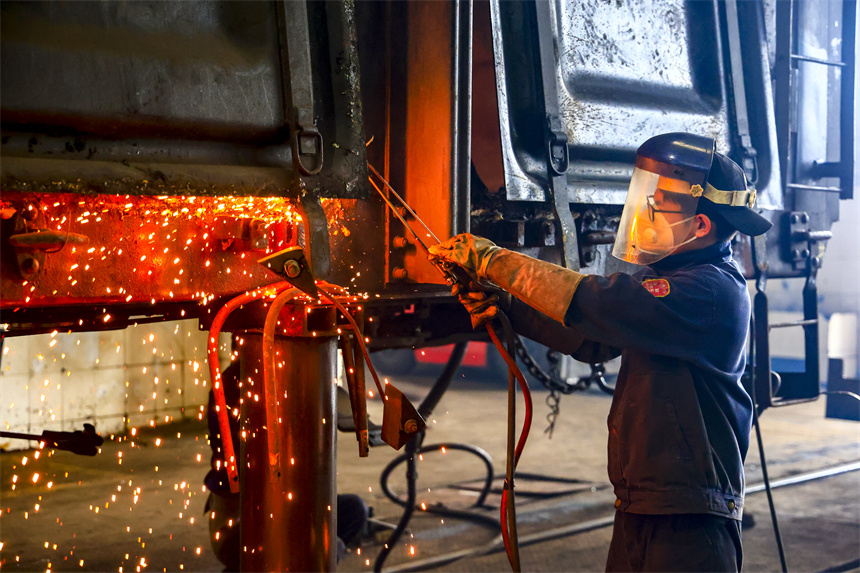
(588, 257)
(292, 268)
(30, 213)
(410, 426)
(795, 253)
(794, 219)
(399, 273)
(804, 218)
(30, 265)
(804, 253)
(400, 242)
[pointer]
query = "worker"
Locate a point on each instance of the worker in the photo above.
(680, 418)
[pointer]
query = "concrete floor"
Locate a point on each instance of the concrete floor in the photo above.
(138, 506)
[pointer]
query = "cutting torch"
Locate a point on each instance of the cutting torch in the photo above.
(453, 275)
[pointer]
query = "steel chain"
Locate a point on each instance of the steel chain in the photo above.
(552, 381)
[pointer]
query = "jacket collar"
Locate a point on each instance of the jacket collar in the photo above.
(716, 253)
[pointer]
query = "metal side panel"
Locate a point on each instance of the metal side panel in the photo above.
(625, 71)
(194, 97)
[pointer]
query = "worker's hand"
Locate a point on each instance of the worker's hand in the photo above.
(470, 252)
(482, 306)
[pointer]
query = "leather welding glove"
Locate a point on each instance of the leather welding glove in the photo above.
(482, 306)
(544, 286)
(468, 251)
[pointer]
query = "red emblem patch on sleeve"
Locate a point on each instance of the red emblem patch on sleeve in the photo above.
(657, 287)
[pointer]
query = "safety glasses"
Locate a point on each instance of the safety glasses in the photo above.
(654, 208)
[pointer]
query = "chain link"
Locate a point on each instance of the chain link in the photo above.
(553, 402)
(555, 384)
(552, 381)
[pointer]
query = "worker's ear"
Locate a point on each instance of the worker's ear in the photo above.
(702, 226)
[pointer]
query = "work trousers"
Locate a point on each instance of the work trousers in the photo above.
(681, 542)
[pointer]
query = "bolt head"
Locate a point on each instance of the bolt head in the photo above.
(410, 426)
(292, 268)
(30, 265)
(30, 213)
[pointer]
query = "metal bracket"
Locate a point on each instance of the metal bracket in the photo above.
(292, 265)
(316, 235)
(400, 420)
(796, 247)
(800, 239)
(32, 241)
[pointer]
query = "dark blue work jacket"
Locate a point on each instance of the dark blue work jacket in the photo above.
(679, 424)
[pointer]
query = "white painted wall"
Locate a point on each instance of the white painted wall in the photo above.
(115, 379)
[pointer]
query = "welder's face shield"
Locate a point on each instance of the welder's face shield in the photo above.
(658, 217)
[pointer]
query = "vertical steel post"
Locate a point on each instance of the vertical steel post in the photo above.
(289, 516)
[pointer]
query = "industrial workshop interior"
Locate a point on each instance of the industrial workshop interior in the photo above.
(429, 285)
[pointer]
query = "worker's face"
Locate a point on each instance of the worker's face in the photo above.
(656, 219)
(670, 207)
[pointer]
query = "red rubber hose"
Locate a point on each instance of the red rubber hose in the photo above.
(215, 373)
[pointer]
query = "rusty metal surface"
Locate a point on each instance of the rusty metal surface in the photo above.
(141, 108)
(157, 257)
(156, 97)
(141, 252)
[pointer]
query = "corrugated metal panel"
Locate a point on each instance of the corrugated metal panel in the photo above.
(624, 71)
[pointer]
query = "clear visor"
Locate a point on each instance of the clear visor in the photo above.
(657, 218)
